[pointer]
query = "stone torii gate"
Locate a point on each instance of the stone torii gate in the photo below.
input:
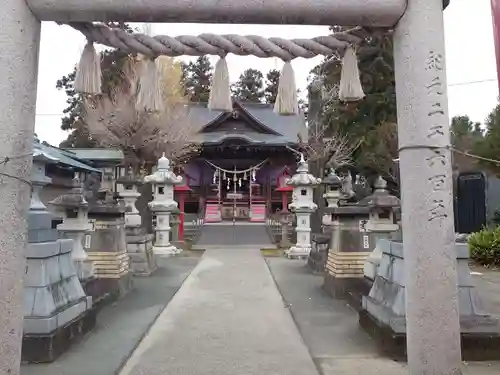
(433, 332)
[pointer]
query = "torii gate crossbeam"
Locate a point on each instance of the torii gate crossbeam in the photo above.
(423, 128)
(309, 12)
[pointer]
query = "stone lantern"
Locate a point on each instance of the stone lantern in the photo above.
(381, 206)
(333, 193)
(302, 205)
(163, 204)
(127, 189)
(139, 243)
(74, 209)
(381, 223)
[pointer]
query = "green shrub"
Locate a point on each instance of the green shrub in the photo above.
(485, 246)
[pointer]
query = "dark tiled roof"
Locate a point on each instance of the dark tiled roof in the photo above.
(98, 154)
(61, 156)
(285, 128)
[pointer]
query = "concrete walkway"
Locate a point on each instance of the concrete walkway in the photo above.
(227, 318)
(234, 234)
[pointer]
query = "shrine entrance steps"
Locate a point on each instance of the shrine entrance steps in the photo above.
(228, 233)
(228, 318)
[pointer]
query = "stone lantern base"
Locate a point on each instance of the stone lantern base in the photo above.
(140, 251)
(298, 252)
(164, 251)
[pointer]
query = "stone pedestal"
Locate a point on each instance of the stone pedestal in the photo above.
(56, 309)
(383, 313)
(139, 243)
(107, 249)
(350, 246)
(163, 205)
(140, 251)
(319, 253)
(302, 205)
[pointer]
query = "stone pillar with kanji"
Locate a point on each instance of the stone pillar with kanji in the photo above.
(163, 205)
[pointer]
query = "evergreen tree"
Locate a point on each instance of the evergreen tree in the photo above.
(197, 76)
(464, 136)
(489, 145)
(375, 116)
(249, 87)
(272, 83)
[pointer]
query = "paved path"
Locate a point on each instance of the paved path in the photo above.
(330, 327)
(227, 234)
(227, 318)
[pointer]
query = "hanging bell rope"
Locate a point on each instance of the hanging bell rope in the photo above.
(220, 92)
(88, 73)
(287, 98)
(350, 89)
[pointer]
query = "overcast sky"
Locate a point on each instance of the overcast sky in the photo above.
(469, 48)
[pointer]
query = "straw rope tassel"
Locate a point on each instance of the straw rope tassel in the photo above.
(220, 92)
(350, 89)
(286, 99)
(149, 96)
(88, 77)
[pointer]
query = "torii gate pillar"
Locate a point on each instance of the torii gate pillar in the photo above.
(19, 44)
(432, 310)
(433, 331)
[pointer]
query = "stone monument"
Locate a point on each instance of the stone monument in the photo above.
(163, 204)
(302, 205)
(139, 243)
(56, 310)
(74, 209)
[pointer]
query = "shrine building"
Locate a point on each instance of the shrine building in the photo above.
(243, 162)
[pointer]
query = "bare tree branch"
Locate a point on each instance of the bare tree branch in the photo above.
(114, 121)
(331, 150)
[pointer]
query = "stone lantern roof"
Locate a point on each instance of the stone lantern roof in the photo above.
(73, 199)
(332, 180)
(381, 197)
(303, 177)
(163, 174)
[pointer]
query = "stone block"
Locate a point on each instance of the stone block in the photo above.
(39, 348)
(43, 250)
(383, 309)
(40, 220)
(42, 235)
(46, 325)
(66, 266)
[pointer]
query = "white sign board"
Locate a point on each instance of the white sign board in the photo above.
(366, 242)
(87, 241)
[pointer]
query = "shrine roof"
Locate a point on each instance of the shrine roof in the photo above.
(98, 154)
(61, 156)
(273, 128)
